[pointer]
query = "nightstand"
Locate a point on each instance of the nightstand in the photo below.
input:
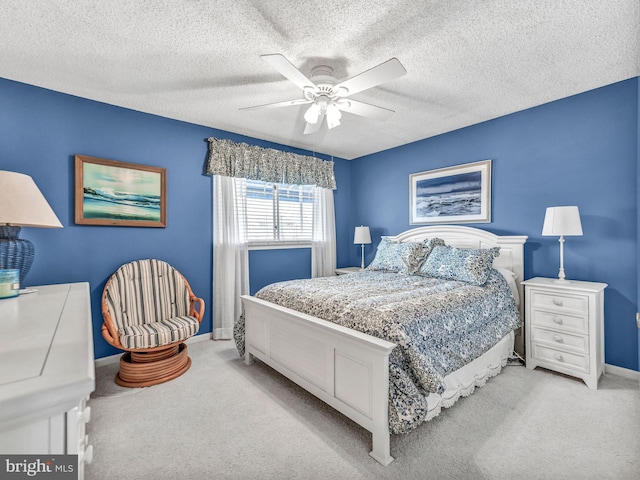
(345, 270)
(564, 327)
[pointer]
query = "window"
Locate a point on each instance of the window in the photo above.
(279, 213)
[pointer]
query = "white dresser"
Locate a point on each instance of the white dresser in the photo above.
(564, 327)
(46, 372)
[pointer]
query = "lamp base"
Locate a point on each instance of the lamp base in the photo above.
(15, 252)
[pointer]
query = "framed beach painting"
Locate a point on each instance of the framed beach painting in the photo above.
(108, 192)
(460, 194)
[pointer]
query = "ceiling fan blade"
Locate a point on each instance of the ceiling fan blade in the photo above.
(314, 127)
(286, 68)
(382, 73)
(287, 103)
(364, 109)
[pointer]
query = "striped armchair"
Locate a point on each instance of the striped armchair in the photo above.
(149, 310)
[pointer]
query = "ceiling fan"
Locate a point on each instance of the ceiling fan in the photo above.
(328, 97)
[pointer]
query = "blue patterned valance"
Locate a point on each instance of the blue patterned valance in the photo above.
(231, 159)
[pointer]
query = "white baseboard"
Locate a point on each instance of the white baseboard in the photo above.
(199, 338)
(622, 372)
(116, 358)
(108, 360)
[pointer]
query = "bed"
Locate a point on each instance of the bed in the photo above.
(350, 370)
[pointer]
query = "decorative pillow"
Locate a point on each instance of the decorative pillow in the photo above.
(463, 264)
(413, 258)
(405, 257)
(389, 255)
(431, 243)
(416, 256)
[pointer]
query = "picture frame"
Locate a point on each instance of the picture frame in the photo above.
(458, 194)
(110, 192)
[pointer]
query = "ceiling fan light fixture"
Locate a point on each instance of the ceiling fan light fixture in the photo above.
(327, 96)
(333, 115)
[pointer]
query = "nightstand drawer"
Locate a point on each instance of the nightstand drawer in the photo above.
(561, 359)
(561, 340)
(560, 303)
(557, 321)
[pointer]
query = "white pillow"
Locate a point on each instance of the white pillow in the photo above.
(511, 280)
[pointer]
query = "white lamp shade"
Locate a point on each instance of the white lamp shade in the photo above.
(22, 204)
(333, 116)
(362, 235)
(312, 115)
(562, 221)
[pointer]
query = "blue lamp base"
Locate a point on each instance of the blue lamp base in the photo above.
(15, 252)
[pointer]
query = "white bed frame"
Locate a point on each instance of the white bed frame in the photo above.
(347, 369)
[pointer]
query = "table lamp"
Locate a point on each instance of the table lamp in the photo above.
(362, 236)
(562, 221)
(21, 205)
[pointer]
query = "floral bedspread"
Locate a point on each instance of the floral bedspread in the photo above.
(438, 325)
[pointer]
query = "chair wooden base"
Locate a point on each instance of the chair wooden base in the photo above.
(143, 369)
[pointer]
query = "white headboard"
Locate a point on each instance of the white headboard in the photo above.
(511, 247)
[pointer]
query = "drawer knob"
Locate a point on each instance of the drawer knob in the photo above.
(557, 338)
(558, 320)
(559, 357)
(557, 302)
(87, 455)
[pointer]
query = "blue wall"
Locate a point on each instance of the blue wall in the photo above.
(42, 130)
(581, 150)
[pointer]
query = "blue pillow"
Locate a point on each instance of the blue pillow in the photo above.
(389, 255)
(405, 257)
(463, 264)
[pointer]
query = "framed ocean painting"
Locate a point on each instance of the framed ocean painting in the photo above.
(460, 194)
(108, 192)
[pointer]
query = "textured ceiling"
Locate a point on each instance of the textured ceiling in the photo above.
(468, 61)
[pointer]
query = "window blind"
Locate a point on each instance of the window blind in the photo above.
(278, 213)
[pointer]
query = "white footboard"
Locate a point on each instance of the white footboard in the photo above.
(346, 369)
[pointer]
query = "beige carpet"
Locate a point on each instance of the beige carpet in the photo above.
(105, 385)
(224, 420)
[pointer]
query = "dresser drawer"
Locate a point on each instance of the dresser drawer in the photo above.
(560, 303)
(561, 340)
(558, 321)
(573, 361)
